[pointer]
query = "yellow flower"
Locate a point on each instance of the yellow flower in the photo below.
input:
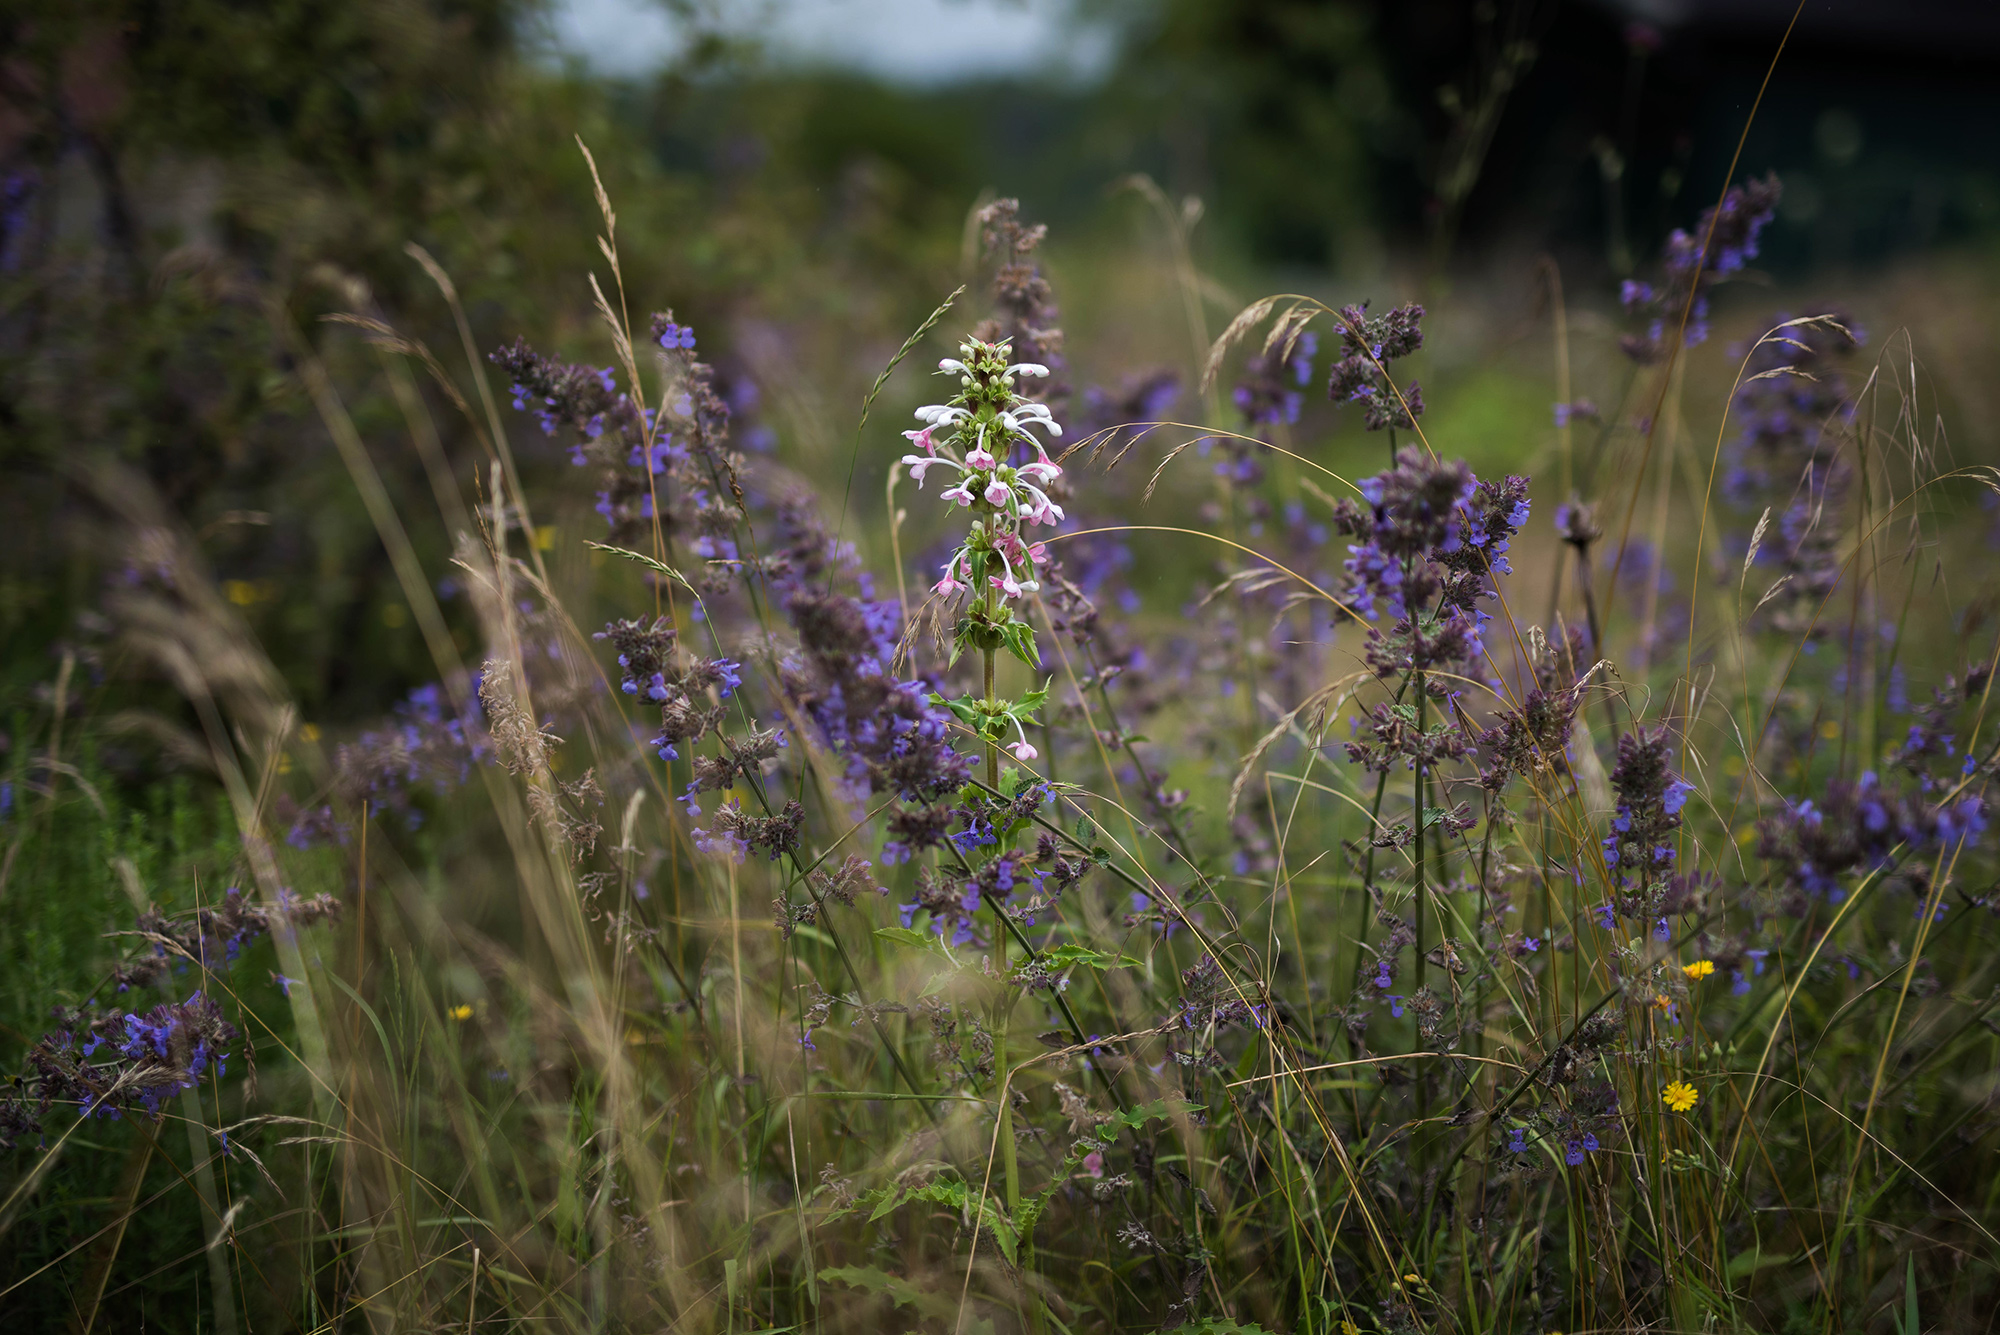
(1699, 970)
(461, 1012)
(1349, 1328)
(1679, 1096)
(1662, 1001)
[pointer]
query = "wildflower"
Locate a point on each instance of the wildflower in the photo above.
(1368, 345)
(1582, 410)
(1093, 1163)
(1856, 826)
(1699, 970)
(1679, 1096)
(986, 426)
(461, 1012)
(1723, 242)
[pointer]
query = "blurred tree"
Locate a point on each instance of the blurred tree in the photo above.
(1268, 109)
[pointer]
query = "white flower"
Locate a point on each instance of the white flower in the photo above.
(941, 414)
(1028, 368)
(1025, 414)
(919, 464)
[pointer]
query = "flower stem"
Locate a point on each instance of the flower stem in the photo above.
(1003, 1001)
(1420, 904)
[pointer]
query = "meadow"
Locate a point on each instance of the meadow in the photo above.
(1388, 807)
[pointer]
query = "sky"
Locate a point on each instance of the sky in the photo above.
(905, 41)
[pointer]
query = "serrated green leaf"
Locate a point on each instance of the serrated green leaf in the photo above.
(899, 1291)
(1069, 953)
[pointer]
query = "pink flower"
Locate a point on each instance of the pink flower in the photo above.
(960, 493)
(1093, 1163)
(950, 583)
(919, 464)
(1025, 751)
(922, 439)
(1040, 471)
(998, 492)
(979, 458)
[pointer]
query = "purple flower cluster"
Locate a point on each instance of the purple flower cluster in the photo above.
(1427, 543)
(1859, 825)
(429, 743)
(213, 938)
(652, 670)
(147, 1059)
(893, 739)
(1209, 1001)
(1639, 853)
(734, 832)
(1723, 242)
(1368, 344)
(1268, 393)
(1534, 738)
(1794, 403)
(670, 465)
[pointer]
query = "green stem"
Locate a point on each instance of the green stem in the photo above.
(1419, 905)
(1003, 1000)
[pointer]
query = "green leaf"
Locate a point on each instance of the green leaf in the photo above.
(1747, 1263)
(1159, 1110)
(899, 1291)
(1069, 953)
(1021, 643)
(952, 1192)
